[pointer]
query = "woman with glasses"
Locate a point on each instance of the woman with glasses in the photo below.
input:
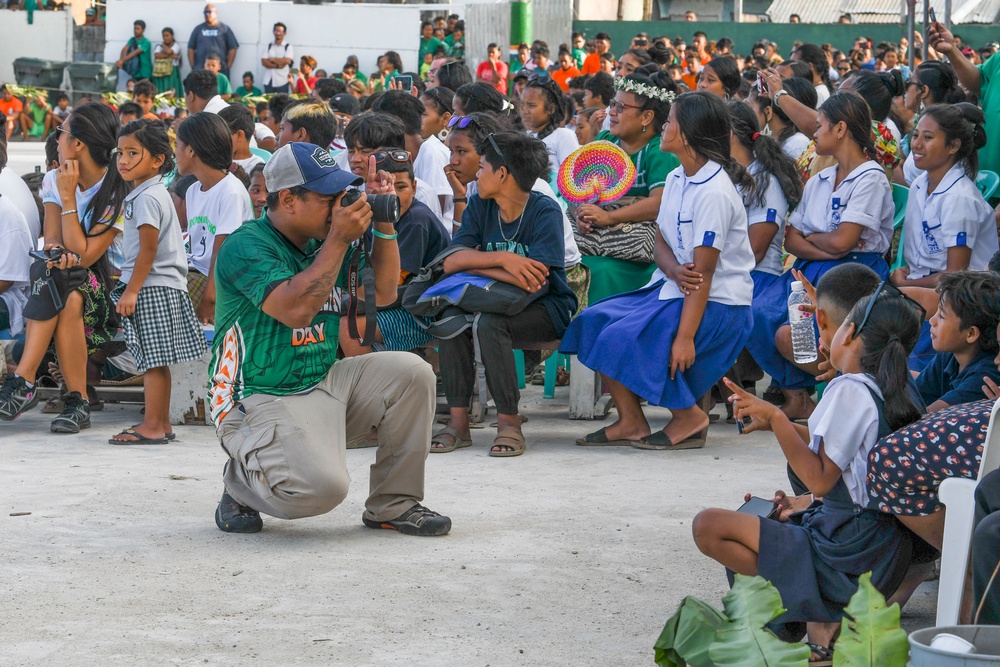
(515, 235)
(544, 112)
(671, 341)
(83, 206)
(640, 108)
(813, 552)
(932, 82)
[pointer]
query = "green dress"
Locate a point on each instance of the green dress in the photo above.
(243, 92)
(173, 80)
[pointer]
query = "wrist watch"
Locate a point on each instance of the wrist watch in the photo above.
(460, 200)
(777, 96)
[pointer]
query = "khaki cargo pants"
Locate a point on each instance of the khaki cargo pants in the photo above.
(287, 454)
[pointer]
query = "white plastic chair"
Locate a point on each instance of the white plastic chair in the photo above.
(958, 496)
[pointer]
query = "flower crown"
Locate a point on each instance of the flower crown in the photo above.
(644, 89)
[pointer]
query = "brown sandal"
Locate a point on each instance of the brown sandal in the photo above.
(515, 441)
(456, 441)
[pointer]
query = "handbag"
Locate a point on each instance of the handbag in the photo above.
(131, 66)
(163, 67)
(630, 241)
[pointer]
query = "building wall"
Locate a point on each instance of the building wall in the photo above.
(50, 38)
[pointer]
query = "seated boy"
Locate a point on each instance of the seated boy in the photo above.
(421, 238)
(128, 112)
(963, 332)
(240, 121)
(36, 120)
(213, 63)
(62, 109)
(144, 94)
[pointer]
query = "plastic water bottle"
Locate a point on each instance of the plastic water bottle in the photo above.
(803, 335)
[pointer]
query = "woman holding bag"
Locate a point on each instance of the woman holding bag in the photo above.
(72, 306)
(637, 113)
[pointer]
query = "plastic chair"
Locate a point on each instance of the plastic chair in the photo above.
(261, 153)
(552, 365)
(987, 182)
(900, 195)
(958, 496)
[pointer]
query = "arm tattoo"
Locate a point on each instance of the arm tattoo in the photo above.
(321, 287)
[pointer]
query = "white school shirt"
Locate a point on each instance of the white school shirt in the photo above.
(560, 144)
(220, 210)
(249, 163)
(846, 421)
(15, 264)
(216, 104)
(278, 76)
(822, 94)
(706, 210)
(795, 145)
(572, 255)
(955, 214)
(864, 198)
(773, 209)
(910, 169)
(428, 167)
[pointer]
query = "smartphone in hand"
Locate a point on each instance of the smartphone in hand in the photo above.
(53, 255)
(760, 507)
(405, 82)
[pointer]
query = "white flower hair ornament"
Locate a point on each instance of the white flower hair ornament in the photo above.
(645, 90)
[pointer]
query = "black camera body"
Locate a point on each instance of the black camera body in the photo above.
(385, 208)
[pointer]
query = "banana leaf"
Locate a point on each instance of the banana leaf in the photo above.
(870, 635)
(687, 635)
(743, 640)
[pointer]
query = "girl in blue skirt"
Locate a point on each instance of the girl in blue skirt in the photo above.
(845, 216)
(777, 189)
(814, 551)
(670, 341)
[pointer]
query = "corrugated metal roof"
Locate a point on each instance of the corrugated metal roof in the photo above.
(879, 11)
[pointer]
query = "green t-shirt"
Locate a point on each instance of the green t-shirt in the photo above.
(579, 55)
(651, 165)
(243, 92)
(429, 46)
(989, 98)
(145, 58)
(225, 88)
(254, 353)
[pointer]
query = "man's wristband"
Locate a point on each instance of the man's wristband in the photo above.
(460, 200)
(387, 237)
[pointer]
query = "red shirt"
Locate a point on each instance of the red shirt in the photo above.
(486, 73)
(301, 89)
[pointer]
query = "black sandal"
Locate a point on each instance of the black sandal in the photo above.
(824, 655)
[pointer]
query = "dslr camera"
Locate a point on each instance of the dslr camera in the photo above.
(385, 208)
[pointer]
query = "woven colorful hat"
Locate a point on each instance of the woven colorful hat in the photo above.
(596, 173)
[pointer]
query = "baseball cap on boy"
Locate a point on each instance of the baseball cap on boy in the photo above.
(299, 164)
(345, 103)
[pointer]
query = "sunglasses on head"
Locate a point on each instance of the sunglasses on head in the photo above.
(890, 292)
(396, 155)
(461, 122)
(493, 143)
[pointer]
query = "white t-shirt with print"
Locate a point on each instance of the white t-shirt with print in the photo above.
(773, 209)
(707, 210)
(220, 210)
(15, 264)
(863, 198)
(955, 214)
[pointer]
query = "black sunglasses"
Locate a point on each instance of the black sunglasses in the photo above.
(891, 292)
(493, 143)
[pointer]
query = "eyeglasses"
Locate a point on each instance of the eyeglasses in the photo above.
(912, 82)
(618, 107)
(207, 12)
(892, 292)
(493, 143)
(395, 155)
(844, 68)
(461, 121)
(63, 129)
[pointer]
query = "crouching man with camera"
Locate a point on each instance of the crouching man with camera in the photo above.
(285, 408)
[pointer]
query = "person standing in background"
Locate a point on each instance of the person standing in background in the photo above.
(212, 36)
(170, 51)
(493, 70)
(276, 59)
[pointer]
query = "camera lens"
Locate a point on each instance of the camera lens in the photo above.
(385, 208)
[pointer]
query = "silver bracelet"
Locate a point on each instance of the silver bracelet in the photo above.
(72, 210)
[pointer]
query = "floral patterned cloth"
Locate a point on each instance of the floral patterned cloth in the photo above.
(887, 153)
(905, 468)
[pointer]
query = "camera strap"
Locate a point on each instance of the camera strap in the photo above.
(366, 276)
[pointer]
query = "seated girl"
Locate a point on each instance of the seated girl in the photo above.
(638, 111)
(793, 141)
(949, 226)
(815, 551)
(777, 189)
(667, 343)
(514, 235)
(845, 216)
(544, 114)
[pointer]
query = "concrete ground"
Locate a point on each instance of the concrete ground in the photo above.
(566, 555)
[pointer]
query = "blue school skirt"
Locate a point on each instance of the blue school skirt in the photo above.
(628, 338)
(923, 351)
(770, 312)
(815, 268)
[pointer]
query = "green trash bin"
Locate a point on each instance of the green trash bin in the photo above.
(92, 78)
(39, 73)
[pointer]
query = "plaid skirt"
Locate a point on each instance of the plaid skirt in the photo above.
(163, 330)
(197, 284)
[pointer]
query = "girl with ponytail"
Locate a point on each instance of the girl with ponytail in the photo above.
(948, 226)
(845, 215)
(544, 114)
(813, 552)
(932, 82)
(672, 340)
(83, 202)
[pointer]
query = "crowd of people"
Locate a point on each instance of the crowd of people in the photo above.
(753, 172)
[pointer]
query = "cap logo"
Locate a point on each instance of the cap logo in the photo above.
(322, 158)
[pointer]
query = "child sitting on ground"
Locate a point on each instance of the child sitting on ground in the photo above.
(814, 555)
(963, 334)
